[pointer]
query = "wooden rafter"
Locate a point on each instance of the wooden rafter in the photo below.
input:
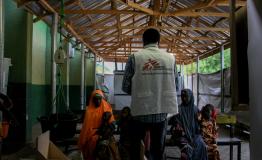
(214, 29)
(68, 27)
(239, 3)
(203, 38)
(161, 46)
(184, 14)
(162, 43)
(96, 11)
(137, 6)
(83, 7)
(114, 7)
(38, 18)
(66, 4)
(102, 35)
(198, 32)
(166, 4)
(103, 32)
(96, 23)
(156, 8)
(203, 34)
(113, 28)
(99, 22)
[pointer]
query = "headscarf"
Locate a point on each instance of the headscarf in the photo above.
(188, 116)
(92, 121)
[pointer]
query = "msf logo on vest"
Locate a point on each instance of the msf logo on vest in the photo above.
(150, 65)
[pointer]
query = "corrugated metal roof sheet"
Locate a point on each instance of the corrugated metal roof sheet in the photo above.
(113, 26)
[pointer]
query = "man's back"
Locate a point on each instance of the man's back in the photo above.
(153, 83)
(149, 78)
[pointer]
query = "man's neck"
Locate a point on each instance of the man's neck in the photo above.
(151, 45)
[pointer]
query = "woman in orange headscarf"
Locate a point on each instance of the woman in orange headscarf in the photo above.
(92, 122)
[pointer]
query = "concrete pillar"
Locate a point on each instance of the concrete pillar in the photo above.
(222, 78)
(82, 86)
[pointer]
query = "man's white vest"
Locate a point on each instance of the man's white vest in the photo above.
(153, 84)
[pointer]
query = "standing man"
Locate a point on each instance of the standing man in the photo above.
(150, 80)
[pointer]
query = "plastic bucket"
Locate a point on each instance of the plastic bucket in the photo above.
(5, 127)
(61, 126)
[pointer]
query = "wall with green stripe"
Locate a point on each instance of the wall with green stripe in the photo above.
(28, 45)
(16, 48)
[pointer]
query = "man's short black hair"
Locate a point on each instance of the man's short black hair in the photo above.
(151, 35)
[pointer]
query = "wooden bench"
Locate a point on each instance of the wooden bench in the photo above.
(231, 142)
(167, 144)
(230, 121)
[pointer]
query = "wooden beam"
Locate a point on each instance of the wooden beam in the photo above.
(124, 40)
(101, 5)
(96, 23)
(239, 3)
(100, 21)
(121, 49)
(38, 18)
(141, 8)
(166, 4)
(104, 35)
(97, 11)
(199, 20)
(115, 59)
(214, 29)
(106, 43)
(137, 6)
(67, 3)
(114, 7)
(168, 14)
(49, 8)
(154, 18)
(171, 37)
(198, 5)
(161, 46)
(195, 14)
(198, 32)
(117, 52)
(83, 7)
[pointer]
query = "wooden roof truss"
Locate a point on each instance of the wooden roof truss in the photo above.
(113, 29)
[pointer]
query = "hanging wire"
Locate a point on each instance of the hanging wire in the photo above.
(59, 99)
(62, 16)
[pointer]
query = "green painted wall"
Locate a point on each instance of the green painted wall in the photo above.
(39, 48)
(90, 72)
(39, 88)
(75, 80)
(75, 69)
(16, 36)
(15, 41)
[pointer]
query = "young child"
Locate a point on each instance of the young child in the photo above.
(124, 128)
(209, 130)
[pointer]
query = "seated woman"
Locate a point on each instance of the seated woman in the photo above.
(185, 129)
(209, 131)
(97, 127)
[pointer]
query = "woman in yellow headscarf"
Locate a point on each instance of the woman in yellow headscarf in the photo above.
(92, 122)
